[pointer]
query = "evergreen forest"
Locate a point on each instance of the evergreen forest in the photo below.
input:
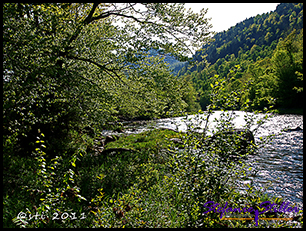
(265, 52)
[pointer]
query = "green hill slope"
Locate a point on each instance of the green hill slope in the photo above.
(248, 42)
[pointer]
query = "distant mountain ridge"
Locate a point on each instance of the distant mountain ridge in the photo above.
(265, 50)
(174, 64)
(259, 32)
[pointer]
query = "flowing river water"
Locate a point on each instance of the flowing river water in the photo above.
(279, 163)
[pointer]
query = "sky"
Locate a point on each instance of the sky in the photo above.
(226, 15)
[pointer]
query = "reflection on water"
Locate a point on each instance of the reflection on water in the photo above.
(280, 162)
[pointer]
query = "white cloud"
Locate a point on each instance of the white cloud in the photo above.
(226, 15)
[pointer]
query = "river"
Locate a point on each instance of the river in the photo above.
(279, 163)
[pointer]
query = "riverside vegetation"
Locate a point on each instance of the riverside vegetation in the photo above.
(68, 73)
(148, 180)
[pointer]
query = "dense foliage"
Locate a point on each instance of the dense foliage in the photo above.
(269, 40)
(70, 66)
(69, 69)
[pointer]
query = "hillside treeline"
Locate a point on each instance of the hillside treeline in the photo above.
(269, 51)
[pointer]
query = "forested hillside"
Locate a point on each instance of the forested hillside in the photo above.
(269, 51)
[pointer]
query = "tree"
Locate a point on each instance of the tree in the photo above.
(68, 65)
(288, 63)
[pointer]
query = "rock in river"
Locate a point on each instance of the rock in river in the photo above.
(245, 138)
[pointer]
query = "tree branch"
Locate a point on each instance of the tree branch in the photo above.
(103, 67)
(107, 14)
(87, 20)
(89, 16)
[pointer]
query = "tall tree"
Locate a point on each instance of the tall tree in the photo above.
(69, 64)
(288, 65)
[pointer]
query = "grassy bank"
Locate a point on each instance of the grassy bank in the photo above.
(29, 182)
(141, 180)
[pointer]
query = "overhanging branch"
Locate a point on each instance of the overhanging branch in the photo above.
(92, 11)
(110, 72)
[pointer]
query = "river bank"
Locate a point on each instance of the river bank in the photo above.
(123, 123)
(144, 178)
(142, 139)
(286, 149)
